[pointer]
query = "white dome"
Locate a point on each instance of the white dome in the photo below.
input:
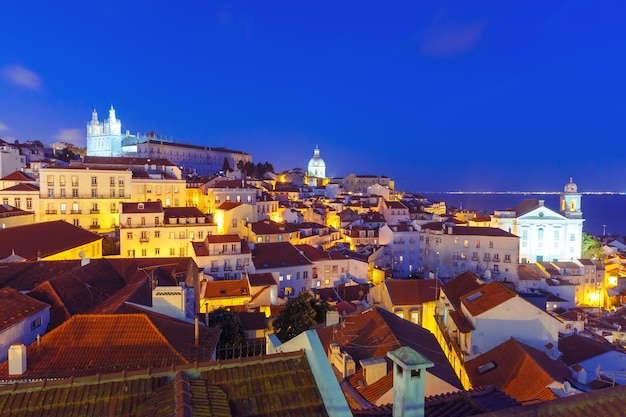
(571, 187)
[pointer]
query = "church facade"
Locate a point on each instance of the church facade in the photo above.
(546, 235)
(106, 139)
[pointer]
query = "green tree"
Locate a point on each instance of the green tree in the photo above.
(232, 336)
(297, 317)
(591, 247)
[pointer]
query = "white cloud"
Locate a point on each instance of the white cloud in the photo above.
(3, 127)
(23, 77)
(75, 136)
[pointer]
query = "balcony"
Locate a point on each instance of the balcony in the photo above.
(51, 212)
(76, 211)
(239, 267)
(507, 260)
(474, 258)
(94, 226)
(215, 269)
(144, 239)
(227, 268)
(94, 211)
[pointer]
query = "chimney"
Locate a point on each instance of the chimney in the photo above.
(409, 380)
(197, 331)
(373, 369)
(17, 359)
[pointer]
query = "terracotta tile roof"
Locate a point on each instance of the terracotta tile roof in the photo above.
(601, 402)
(261, 279)
(148, 207)
(277, 255)
(486, 297)
(461, 285)
(577, 348)
(10, 211)
(462, 323)
(226, 288)
(313, 253)
(92, 344)
(78, 291)
(24, 276)
(231, 238)
(180, 334)
(526, 206)
(22, 187)
(373, 391)
(26, 240)
(269, 227)
(269, 386)
(15, 307)
(185, 212)
(395, 204)
(412, 292)
(229, 205)
(519, 370)
(376, 331)
(17, 176)
(527, 273)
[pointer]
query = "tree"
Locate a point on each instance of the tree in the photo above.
(591, 247)
(226, 166)
(297, 317)
(232, 335)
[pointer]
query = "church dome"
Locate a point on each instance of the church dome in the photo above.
(317, 166)
(571, 187)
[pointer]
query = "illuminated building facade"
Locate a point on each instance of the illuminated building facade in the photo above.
(224, 257)
(316, 172)
(149, 230)
(546, 235)
(106, 139)
(83, 196)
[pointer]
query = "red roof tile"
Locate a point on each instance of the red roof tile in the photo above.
(15, 307)
(413, 292)
(92, 344)
(27, 240)
(486, 297)
(461, 285)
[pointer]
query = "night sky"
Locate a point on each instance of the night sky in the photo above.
(439, 96)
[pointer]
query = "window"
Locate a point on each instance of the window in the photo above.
(144, 236)
(478, 243)
(18, 203)
(62, 180)
(305, 275)
(540, 233)
(491, 244)
(556, 235)
(172, 252)
(62, 192)
(525, 234)
(74, 192)
(130, 253)
(94, 180)
(29, 203)
(112, 181)
(74, 181)
(157, 251)
(140, 188)
(200, 235)
(35, 323)
(120, 181)
(129, 235)
(507, 258)
(94, 193)
(50, 195)
(5, 201)
(143, 221)
(466, 243)
(496, 268)
(50, 180)
(572, 237)
(158, 190)
(415, 317)
(76, 222)
(176, 189)
(157, 233)
(148, 189)
(121, 192)
(112, 192)
(63, 208)
(144, 252)
(75, 208)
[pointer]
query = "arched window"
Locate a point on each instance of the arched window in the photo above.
(540, 233)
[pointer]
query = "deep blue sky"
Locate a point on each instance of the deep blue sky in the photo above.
(439, 96)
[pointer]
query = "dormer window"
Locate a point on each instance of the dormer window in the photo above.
(140, 206)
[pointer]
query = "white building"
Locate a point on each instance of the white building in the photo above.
(447, 250)
(104, 139)
(401, 243)
(316, 169)
(545, 235)
(10, 159)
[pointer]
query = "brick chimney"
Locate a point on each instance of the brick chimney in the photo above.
(409, 381)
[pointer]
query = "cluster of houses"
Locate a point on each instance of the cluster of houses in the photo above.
(431, 310)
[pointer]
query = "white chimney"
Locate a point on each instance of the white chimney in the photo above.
(409, 381)
(17, 359)
(373, 369)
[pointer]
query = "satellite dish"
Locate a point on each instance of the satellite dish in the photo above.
(475, 350)
(81, 254)
(567, 388)
(487, 274)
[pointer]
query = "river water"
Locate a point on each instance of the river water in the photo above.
(602, 212)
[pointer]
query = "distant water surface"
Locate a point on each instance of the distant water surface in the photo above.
(598, 209)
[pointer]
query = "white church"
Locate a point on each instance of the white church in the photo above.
(546, 235)
(316, 172)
